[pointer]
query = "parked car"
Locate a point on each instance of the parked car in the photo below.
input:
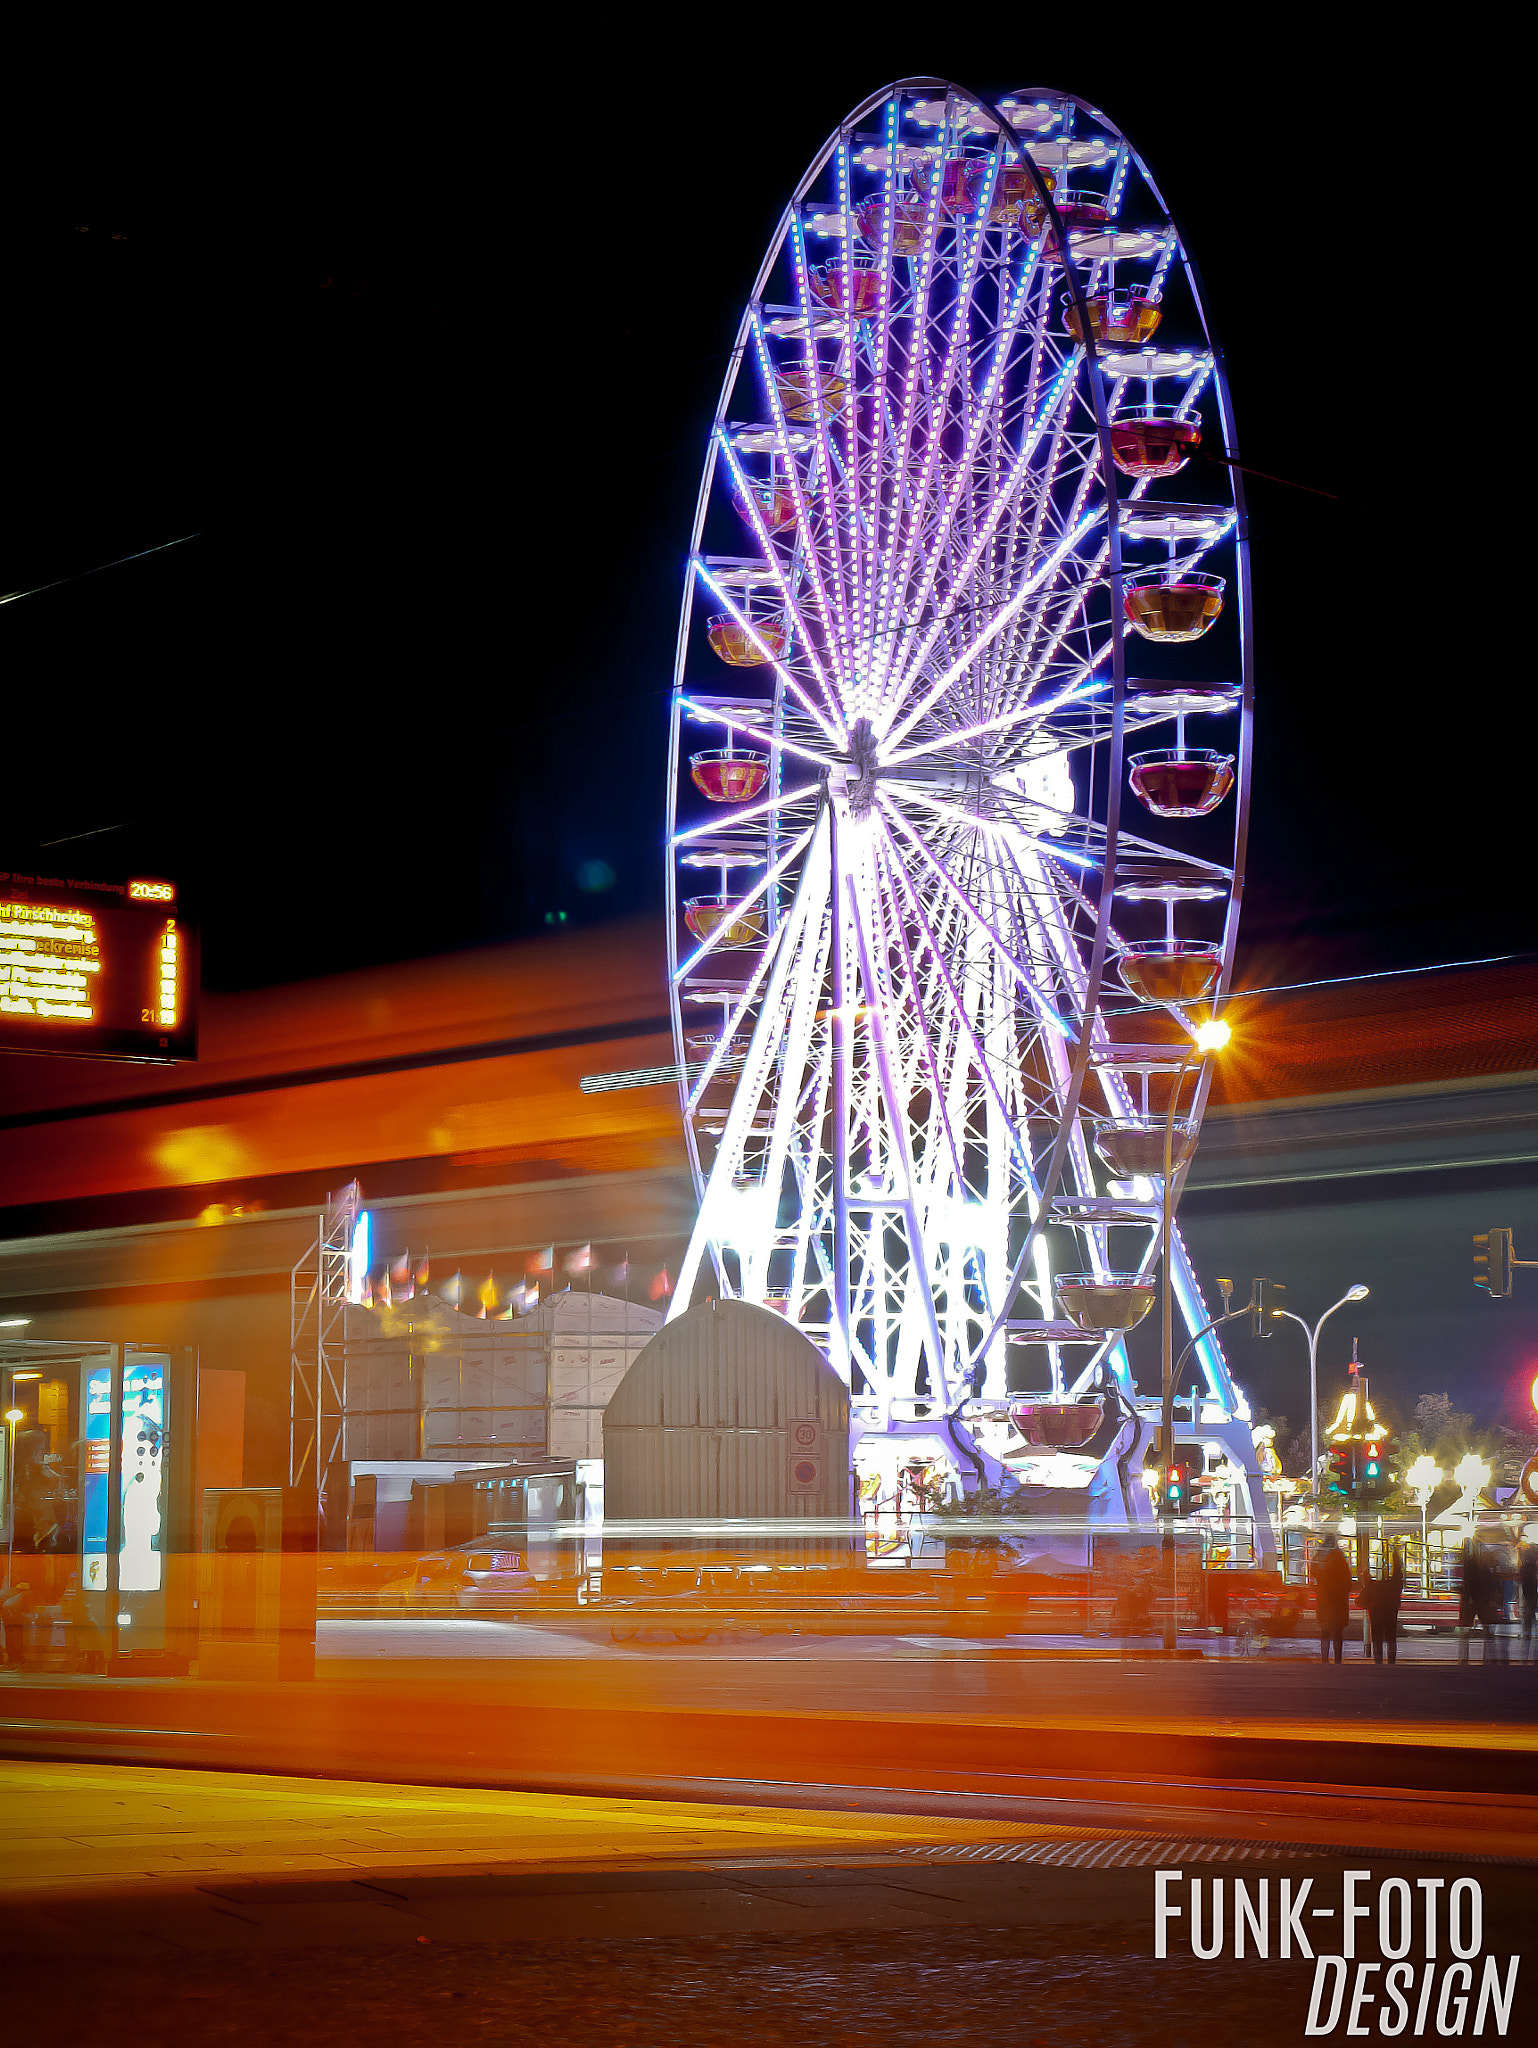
(467, 1578)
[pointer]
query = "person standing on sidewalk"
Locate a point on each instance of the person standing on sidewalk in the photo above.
(1468, 1597)
(1381, 1598)
(1527, 1583)
(1332, 1597)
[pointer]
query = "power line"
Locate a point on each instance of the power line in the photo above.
(1283, 988)
(10, 596)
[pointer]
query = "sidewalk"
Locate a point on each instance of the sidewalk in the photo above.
(74, 1828)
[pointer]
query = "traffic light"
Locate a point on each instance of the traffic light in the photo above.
(1267, 1300)
(1492, 1262)
(1176, 1496)
(1341, 1476)
(1364, 1467)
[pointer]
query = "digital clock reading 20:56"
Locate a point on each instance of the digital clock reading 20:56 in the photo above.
(103, 970)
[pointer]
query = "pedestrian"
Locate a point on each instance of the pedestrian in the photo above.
(1468, 1596)
(1332, 1597)
(1527, 1581)
(1381, 1598)
(1491, 1602)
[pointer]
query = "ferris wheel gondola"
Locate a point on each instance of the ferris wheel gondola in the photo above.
(960, 930)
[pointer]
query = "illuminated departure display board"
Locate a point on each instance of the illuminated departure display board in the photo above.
(107, 970)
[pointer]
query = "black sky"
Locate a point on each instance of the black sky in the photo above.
(430, 368)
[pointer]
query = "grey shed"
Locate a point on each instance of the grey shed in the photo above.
(728, 1412)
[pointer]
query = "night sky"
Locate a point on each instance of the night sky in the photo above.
(430, 369)
(436, 400)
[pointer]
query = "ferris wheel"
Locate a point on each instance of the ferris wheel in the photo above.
(950, 891)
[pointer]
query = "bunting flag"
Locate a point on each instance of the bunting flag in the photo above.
(486, 1293)
(541, 1262)
(422, 1274)
(400, 1278)
(620, 1274)
(451, 1290)
(579, 1259)
(661, 1285)
(381, 1294)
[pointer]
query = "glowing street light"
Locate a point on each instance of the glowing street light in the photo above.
(1423, 1479)
(1424, 1476)
(1472, 1473)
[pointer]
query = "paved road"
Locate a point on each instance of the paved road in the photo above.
(144, 1906)
(156, 1905)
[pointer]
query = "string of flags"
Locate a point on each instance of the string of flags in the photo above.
(491, 1300)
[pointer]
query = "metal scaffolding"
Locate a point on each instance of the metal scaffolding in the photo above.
(317, 1342)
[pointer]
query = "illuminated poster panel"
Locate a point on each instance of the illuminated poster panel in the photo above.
(96, 1478)
(139, 1568)
(140, 1475)
(104, 969)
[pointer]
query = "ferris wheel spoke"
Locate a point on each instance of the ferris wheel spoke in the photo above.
(740, 728)
(906, 994)
(822, 443)
(954, 350)
(881, 420)
(748, 813)
(714, 1224)
(805, 530)
(1006, 614)
(783, 584)
(896, 1121)
(760, 889)
(915, 390)
(891, 817)
(777, 954)
(908, 661)
(958, 1005)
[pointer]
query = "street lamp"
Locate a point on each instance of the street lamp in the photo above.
(13, 1415)
(1423, 1479)
(1208, 1038)
(1473, 1475)
(1356, 1293)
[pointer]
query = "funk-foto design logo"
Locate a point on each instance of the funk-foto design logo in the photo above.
(1449, 1986)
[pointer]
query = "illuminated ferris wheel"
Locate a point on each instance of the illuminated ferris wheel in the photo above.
(950, 891)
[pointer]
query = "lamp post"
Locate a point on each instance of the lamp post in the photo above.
(13, 1415)
(1210, 1037)
(1423, 1479)
(1473, 1475)
(1355, 1293)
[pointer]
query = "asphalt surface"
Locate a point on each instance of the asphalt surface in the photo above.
(155, 1906)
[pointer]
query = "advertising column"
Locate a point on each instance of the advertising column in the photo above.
(133, 1489)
